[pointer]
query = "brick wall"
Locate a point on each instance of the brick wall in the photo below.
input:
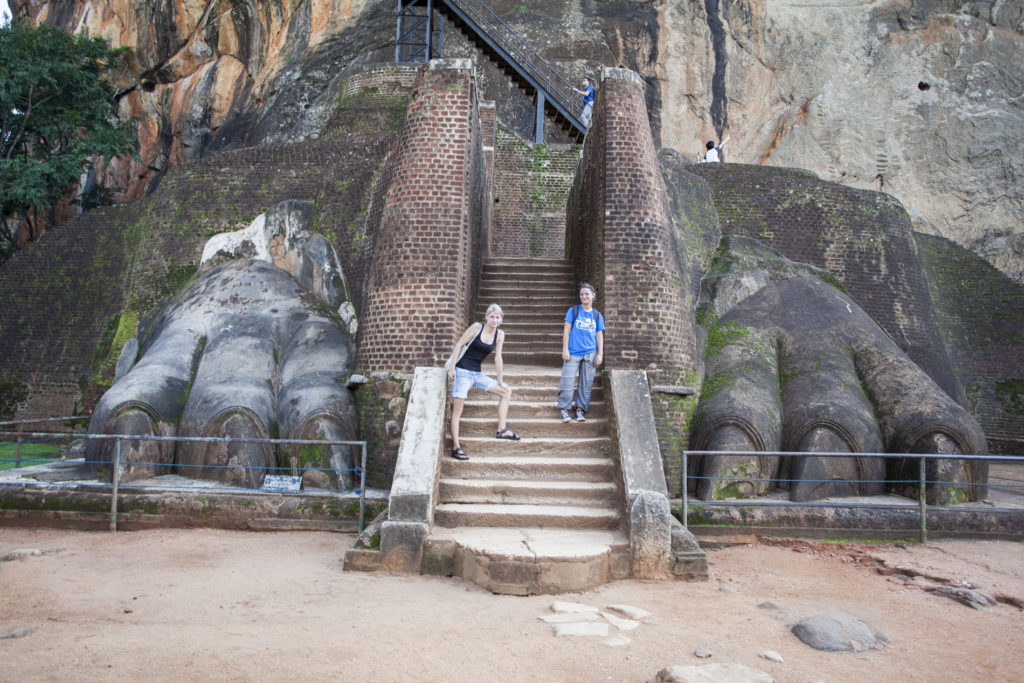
(980, 316)
(642, 230)
(621, 237)
(530, 190)
(430, 237)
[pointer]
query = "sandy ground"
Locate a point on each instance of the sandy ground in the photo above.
(219, 605)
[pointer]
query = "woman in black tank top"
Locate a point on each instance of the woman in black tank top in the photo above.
(475, 344)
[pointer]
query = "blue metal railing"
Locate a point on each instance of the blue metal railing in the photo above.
(921, 482)
(118, 462)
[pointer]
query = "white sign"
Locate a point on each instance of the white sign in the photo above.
(281, 483)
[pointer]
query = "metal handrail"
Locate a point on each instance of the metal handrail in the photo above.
(921, 481)
(525, 56)
(118, 438)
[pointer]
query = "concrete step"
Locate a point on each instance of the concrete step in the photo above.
(597, 470)
(527, 325)
(551, 359)
(541, 291)
(526, 410)
(529, 561)
(454, 515)
(546, 309)
(525, 492)
(528, 260)
(536, 428)
(568, 446)
(545, 393)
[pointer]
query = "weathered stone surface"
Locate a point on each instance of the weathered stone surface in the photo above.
(584, 629)
(401, 546)
(863, 94)
(20, 554)
(650, 535)
(712, 673)
(630, 612)
(787, 356)
(16, 632)
(839, 633)
(965, 596)
(561, 607)
(239, 353)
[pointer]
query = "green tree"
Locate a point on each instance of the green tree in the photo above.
(57, 114)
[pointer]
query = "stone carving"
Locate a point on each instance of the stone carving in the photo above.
(248, 350)
(794, 364)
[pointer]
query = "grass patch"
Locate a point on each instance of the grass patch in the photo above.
(31, 454)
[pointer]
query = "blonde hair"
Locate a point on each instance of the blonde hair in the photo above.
(494, 308)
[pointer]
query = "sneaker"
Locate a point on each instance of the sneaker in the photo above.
(580, 417)
(565, 416)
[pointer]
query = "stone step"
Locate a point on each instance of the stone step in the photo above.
(517, 280)
(536, 428)
(541, 393)
(541, 291)
(571, 445)
(522, 375)
(526, 325)
(539, 311)
(529, 561)
(454, 515)
(528, 260)
(526, 410)
(551, 359)
(597, 470)
(524, 492)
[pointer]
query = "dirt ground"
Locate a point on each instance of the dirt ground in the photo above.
(207, 604)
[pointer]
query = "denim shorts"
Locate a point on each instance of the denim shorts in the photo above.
(468, 379)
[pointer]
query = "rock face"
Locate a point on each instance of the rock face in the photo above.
(918, 99)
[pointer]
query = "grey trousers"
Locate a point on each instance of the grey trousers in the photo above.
(585, 366)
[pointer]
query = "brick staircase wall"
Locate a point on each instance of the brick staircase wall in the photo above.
(531, 187)
(432, 228)
(638, 246)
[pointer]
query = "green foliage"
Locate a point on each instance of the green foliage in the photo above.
(57, 113)
(30, 453)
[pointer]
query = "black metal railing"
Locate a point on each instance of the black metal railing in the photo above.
(521, 56)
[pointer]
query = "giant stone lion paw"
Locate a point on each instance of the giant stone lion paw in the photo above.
(792, 363)
(251, 349)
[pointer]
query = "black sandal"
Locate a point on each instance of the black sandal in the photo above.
(511, 436)
(459, 454)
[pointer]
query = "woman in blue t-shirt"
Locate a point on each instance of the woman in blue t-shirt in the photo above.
(582, 352)
(480, 341)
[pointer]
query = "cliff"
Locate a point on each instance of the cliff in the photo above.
(919, 99)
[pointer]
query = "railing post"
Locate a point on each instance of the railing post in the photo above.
(17, 449)
(116, 480)
(922, 502)
(538, 124)
(683, 483)
(362, 491)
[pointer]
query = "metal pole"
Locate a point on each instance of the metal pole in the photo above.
(17, 449)
(116, 480)
(430, 31)
(538, 124)
(922, 503)
(686, 499)
(362, 491)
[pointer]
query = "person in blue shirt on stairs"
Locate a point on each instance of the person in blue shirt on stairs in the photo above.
(582, 352)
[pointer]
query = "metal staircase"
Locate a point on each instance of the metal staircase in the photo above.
(418, 37)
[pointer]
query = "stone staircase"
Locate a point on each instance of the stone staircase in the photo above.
(541, 515)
